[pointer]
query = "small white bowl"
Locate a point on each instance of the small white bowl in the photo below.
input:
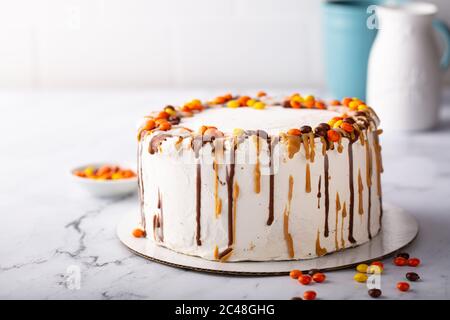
(105, 188)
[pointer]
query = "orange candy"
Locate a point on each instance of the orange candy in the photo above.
(346, 101)
(319, 277)
(320, 105)
(304, 279)
(295, 104)
(294, 132)
(243, 101)
(403, 286)
(309, 103)
(149, 125)
(294, 274)
(333, 136)
(413, 262)
(309, 295)
(139, 233)
(347, 127)
(164, 126)
(261, 94)
(335, 103)
(163, 115)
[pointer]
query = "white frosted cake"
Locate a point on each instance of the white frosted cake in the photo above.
(259, 179)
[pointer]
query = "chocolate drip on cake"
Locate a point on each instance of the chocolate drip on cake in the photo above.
(327, 194)
(271, 144)
(319, 193)
(230, 171)
(160, 219)
(352, 194)
(141, 186)
(156, 141)
(287, 212)
(198, 203)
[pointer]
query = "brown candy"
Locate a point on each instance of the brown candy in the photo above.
(326, 126)
(306, 129)
(412, 276)
(403, 255)
(374, 293)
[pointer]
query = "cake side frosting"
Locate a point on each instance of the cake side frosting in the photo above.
(255, 195)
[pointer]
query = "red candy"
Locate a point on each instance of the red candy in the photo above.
(403, 286)
(400, 261)
(304, 279)
(413, 262)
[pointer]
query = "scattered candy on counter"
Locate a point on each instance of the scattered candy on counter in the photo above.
(362, 275)
(105, 172)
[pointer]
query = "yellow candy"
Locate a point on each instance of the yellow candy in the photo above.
(297, 98)
(170, 111)
(196, 102)
(362, 107)
(116, 176)
(373, 269)
(337, 124)
(251, 102)
(362, 268)
(238, 132)
(233, 104)
(360, 277)
(89, 171)
(259, 105)
(354, 104)
(310, 98)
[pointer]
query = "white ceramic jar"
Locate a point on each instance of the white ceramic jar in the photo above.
(405, 71)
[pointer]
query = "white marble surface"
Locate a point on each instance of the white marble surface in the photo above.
(49, 228)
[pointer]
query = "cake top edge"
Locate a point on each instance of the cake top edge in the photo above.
(348, 118)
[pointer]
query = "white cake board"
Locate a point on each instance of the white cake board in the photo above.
(399, 230)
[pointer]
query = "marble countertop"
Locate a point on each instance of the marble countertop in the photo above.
(52, 233)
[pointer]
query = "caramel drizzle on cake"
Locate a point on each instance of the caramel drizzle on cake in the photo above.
(338, 207)
(360, 194)
(344, 215)
(319, 191)
(319, 250)
(308, 179)
(257, 170)
(369, 185)
(287, 212)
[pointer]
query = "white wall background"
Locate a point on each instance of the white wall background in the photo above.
(161, 43)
